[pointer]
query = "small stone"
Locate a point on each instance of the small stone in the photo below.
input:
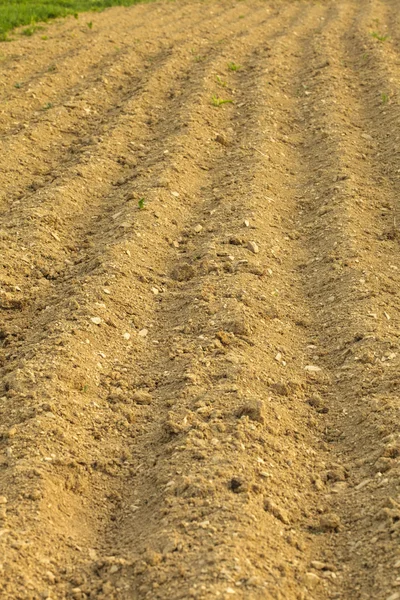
(252, 246)
(126, 336)
(311, 580)
(235, 241)
(96, 320)
(92, 554)
(339, 486)
(254, 581)
(142, 397)
(51, 577)
(312, 368)
(230, 590)
(3, 500)
(106, 291)
(221, 139)
(175, 194)
(317, 564)
(362, 484)
(154, 290)
(198, 228)
(143, 332)
(246, 223)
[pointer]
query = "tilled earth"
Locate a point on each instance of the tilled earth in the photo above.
(200, 315)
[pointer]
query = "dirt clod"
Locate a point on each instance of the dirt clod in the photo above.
(253, 409)
(183, 272)
(221, 139)
(276, 511)
(142, 397)
(330, 522)
(238, 485)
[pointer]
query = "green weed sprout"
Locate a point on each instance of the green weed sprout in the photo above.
(234, 67)
(215, 101)
(379, 37)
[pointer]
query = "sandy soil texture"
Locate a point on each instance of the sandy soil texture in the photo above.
(199, 302)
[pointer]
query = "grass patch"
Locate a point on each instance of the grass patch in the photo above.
(14, 13)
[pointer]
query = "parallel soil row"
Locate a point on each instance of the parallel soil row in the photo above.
(199, 304)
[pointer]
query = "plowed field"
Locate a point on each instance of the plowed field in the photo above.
(200, 309)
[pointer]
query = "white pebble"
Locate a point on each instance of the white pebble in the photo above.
(312, 368)
(252, 246)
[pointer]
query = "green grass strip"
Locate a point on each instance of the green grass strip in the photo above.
(14, 13)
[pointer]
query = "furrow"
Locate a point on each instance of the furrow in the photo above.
(378, 62)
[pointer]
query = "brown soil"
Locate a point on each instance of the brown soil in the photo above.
(200, 398)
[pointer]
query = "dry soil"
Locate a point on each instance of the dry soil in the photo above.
(200, 315)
